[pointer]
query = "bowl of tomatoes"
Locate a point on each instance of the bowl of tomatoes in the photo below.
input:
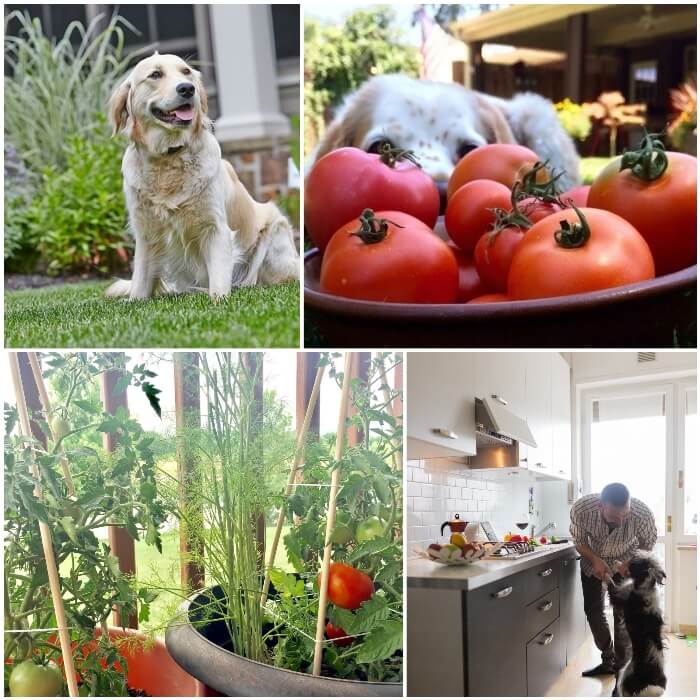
(513, 262)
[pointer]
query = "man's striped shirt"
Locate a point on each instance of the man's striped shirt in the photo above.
(638, 531)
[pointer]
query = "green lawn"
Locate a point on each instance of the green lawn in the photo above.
(590, 167)
(78, 315)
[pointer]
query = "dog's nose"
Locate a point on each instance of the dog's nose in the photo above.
(185, 89)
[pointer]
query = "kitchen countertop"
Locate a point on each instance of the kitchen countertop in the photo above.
(422, 573)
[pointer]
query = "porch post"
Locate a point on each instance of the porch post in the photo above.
(575, 72)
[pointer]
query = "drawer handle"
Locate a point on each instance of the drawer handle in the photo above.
(544, 573)
(503, 593)
(548, 639)
(547, 605)
(499, 399)
(443, 432)
(539, 464)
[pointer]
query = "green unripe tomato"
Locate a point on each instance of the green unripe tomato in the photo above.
(369, 529)
(60, 427)
(342, 534)
(31, 680)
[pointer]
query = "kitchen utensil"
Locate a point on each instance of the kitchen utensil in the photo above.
(456, 525)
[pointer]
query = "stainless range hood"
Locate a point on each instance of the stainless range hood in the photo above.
(499, 433)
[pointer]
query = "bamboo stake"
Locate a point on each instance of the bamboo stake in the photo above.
(54, 582)
(390, 408)
(330, 520)
(46, 404)
(298, 455)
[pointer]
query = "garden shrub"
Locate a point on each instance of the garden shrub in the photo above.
(77, 220)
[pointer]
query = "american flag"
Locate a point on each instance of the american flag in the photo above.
(436, 63)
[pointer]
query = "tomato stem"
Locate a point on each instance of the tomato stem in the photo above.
(547, 191)
(372, 230)
(649, 161)
(391, 156)
(573, 235)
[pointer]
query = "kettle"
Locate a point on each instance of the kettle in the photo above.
(456, 525)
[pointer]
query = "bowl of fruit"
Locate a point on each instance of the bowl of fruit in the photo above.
(458, 552)
(513, 260)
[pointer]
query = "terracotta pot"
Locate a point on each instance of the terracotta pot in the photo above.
(152, 669)
(202, 653)
(657, 313)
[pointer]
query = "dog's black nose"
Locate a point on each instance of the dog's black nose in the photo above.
(185, 89)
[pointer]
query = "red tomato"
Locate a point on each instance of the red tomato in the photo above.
(543, 540)
(493, 255)
(405, 262)
(516, 538)
(503, 162)
(578, 195)
(468, 216)
(470, 284)
(335, 633)
(535, 209)
(345, 182)
(663, 210)
(614, 254)
(490, 299)
(347, 586)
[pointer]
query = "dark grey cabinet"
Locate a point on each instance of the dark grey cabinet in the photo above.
(545, 660)
(573, 617)
(495, 646)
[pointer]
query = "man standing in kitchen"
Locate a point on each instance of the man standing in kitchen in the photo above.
(607, 529)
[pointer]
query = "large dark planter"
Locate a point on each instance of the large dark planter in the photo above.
(203, 654)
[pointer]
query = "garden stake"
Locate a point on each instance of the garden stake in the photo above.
(390, 407)
(54, 582)
(46, 404)
(301, 441)
(330, 520)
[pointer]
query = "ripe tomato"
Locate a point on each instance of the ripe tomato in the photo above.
(663, 209)
(468, 216)
(345, 182)
(536, 209)
(493, 255)
(347, 586)
(490, 299)
(578, 195)
(389, 256)
(470, 284)
(369, 529)
(334, 633)
(28, 679)
(613, 254)
(503, 162)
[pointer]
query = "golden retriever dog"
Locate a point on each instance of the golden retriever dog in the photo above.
(194, 224)
(442, 122)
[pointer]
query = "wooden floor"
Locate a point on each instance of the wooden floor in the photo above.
(681, 670)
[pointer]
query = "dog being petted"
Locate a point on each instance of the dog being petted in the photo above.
(166, 180)
(514, 185)
(637, 597)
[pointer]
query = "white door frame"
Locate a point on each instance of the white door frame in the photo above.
(669, 389)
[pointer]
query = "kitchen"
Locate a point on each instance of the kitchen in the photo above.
(500, 445)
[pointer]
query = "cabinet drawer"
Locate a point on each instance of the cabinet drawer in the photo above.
(541, 613)
(541, 579)
(544, 660)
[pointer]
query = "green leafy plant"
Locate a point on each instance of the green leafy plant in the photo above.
(117, 488)
(339, 58)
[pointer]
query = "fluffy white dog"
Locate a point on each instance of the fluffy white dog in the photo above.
(442, 122)
(194, 224)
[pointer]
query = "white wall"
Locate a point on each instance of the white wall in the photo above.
(439, 488)
(600, 366)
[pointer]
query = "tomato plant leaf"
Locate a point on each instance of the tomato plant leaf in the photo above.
(381, 643)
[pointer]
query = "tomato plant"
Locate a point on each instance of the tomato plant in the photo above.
(28, 679)
(578, 250)
(345, 182)
(657, 193)
(392, 257)
(369, 529)
(502, 162)
(338, 635)
(470, 214)
(115, 489)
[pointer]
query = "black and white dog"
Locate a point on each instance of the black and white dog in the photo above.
(643, 674)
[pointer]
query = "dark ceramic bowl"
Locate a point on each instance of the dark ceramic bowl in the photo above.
(658, 313)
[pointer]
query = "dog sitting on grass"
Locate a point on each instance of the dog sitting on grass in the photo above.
(194, 223)
(637, 596)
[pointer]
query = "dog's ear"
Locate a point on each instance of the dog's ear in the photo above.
(659, 575)
(351, 125)
(117, 111)
(493, 121)
(203, 100)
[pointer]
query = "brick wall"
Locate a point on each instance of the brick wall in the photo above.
(261, 168)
